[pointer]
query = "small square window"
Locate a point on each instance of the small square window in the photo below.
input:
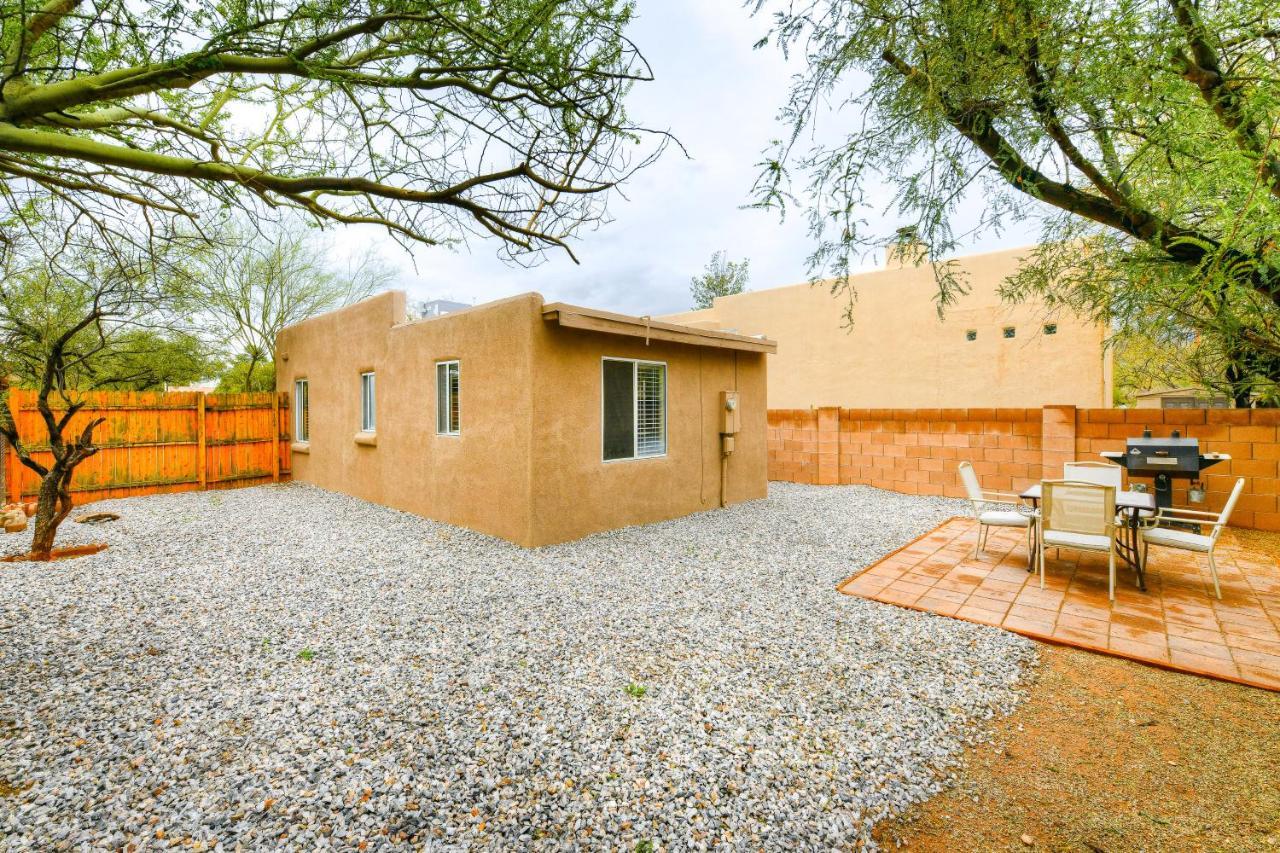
(1051, 328)
(635, 408)
(971, 334)
(1009, 331)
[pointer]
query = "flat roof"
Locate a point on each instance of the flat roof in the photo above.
(592, 320)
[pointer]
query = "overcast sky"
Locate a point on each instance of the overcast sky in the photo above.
(720, 98)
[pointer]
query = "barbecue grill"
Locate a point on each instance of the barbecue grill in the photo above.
(1164, 459)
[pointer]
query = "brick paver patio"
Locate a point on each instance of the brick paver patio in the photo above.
(1176, 624)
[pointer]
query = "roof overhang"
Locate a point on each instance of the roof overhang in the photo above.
(604, 322)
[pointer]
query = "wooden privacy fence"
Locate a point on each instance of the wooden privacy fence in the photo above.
(154, 442)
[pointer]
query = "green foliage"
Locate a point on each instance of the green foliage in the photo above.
(306, 655)
(635, 691)
(722, 277)
(1143, 136)
(111, 324)
(150, 360)
(246, 374)
(431, 119)
(82, 315)
(254, 280)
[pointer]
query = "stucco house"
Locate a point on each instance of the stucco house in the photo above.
(534, 422)
(983, 353)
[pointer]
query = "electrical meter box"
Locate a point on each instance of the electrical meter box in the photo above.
(729, 412)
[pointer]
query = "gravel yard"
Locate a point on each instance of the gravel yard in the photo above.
(284, 666)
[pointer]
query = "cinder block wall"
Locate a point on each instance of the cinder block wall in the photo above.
(917, 451)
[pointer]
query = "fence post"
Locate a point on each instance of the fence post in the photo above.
(201, 440)
(275, 438)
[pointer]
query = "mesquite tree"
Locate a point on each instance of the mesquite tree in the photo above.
(1145, 135)
(432, 119)
(61, 318)
(256, 280)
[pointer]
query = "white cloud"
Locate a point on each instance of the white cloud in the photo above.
(720, 98)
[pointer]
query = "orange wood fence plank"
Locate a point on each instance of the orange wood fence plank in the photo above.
(154, 442)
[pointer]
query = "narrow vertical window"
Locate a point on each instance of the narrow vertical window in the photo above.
(301, 411)
(448, 386)
(368, 403)
(634, 409)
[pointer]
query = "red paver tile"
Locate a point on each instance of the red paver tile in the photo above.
(1176, 622)
(1260, 676)
(1138, 651)
(1198, 647)
(1084, 623)
(941, 606)
(1173, 629)
(1023, 625)
(980, 614)
(1256, 659)
(1147, 623)
(1140, 635)
(1269, 647)
(1090, 639)
(1202, 665)
(1004, 596)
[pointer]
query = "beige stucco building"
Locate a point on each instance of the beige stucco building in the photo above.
(985, 353)
(534, 422)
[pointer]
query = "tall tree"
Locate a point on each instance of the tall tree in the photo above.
(722, 277)
(62, 314)
(1144, 135)
(430, 118)
(254, 281)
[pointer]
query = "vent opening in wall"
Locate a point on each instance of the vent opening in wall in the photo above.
(1051, 328)
(971, 334)
(1009, 331)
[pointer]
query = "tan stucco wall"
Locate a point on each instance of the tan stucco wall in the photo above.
(527, 465)
(900, 355)
(575, 493)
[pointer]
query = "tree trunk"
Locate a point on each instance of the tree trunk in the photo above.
(248, 374)
(52, 509)
(47, 519)
(1240, 385)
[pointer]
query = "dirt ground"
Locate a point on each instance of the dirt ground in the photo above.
(1111, 755)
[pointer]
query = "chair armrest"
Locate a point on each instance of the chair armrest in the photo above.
(1174, 510)
(1001, 497)
(1171, 516)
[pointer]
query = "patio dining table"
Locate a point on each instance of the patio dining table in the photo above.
(1130, 504)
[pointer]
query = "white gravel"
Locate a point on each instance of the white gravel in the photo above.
(284, 666)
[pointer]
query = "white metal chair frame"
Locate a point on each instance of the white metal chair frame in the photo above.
(1088, 471)
(1105, 525)
(1179, 515)
(985, 500)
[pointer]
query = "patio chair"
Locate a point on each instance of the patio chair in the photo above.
(1080, 516)
(991, 509)
(1185, 540)
(1102, 473)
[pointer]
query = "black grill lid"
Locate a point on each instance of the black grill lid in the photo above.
(1166, 443)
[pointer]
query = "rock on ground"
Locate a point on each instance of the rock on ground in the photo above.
(288, 666)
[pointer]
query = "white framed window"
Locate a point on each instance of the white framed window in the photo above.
(448, 386)
(368, 402)
(634, 409)
(301, 411)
